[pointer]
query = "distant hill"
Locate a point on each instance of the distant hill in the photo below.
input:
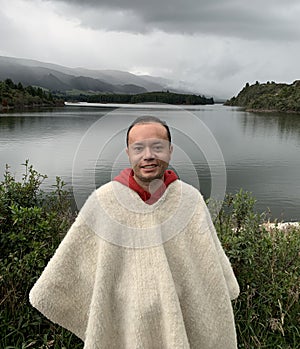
(269, 96)
(55, 77)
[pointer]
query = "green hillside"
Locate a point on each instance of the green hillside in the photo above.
(16, 96)
(269, 96)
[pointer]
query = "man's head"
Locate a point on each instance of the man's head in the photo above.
(149, 149)
(148, 119)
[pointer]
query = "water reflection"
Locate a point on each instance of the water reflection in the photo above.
(285, 126)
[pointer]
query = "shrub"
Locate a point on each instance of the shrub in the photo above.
(267, 266)
(32, 224)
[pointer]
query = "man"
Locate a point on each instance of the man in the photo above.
(142, 267)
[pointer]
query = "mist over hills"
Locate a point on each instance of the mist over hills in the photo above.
(55, 77)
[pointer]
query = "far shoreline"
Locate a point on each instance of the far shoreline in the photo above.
(146, 105)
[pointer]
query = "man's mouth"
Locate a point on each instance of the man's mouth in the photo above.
(148, 166)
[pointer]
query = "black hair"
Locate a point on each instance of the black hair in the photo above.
(148, 119)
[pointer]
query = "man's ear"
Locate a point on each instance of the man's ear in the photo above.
(171, 148)
(127, 151)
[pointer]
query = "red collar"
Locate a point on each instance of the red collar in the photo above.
(126, 177)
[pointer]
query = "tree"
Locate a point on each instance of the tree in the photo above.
(20, 87)
(10, 83)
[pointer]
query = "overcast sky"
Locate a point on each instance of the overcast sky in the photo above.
(213, 46)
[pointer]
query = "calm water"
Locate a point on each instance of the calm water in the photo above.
(215, 148)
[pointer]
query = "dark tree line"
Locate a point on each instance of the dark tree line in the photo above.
(148, 97)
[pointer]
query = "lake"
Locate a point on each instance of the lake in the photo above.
(217, 149)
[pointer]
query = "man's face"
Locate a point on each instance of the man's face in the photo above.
(149, 151)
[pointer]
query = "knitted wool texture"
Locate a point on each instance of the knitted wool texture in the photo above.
(118, 289)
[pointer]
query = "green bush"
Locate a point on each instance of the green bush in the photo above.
(32, 224)
(267, 265)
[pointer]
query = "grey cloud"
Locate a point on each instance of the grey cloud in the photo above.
(271, 19)
(9, 33)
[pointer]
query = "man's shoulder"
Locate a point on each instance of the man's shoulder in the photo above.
(105, 188)
(185, 187)
(186, 193)
(111, 190)
(96, 200)
(104, 191)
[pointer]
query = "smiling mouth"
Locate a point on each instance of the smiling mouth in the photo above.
(148, 166)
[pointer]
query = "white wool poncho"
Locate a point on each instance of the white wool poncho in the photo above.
(134, 276)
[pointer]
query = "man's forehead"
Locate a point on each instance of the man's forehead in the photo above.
(151, 141)
(146, 131)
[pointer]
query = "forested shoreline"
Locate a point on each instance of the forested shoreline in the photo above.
(268, 97)
(147, 97)
(263, 97)
(16, 96)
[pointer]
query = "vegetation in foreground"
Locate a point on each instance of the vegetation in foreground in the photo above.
(32, 224)
(269, 97)
(16, 96)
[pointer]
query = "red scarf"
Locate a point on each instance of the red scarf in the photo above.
(126, 177)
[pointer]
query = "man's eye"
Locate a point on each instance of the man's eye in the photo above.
(158, 148)
(137, 149)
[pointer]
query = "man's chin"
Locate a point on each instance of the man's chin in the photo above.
(150, 178)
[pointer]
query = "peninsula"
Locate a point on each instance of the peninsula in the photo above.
(267, 97)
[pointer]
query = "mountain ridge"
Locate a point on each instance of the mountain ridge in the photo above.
(55, 77)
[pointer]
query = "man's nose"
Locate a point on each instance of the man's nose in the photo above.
(148, 154)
